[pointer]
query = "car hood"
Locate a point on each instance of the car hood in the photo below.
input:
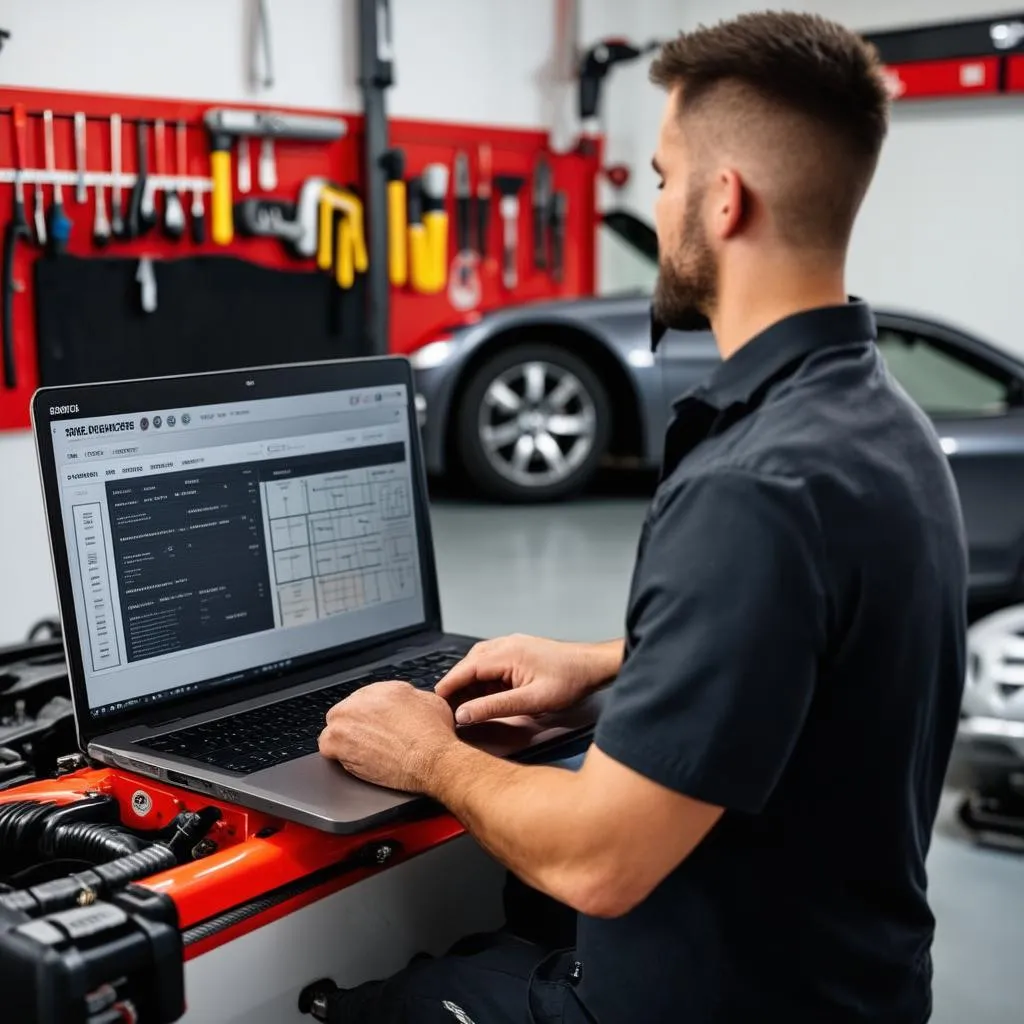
(587, 308)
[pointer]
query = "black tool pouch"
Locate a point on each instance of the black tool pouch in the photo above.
(204, 313)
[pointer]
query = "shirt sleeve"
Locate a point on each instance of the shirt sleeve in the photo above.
(726, 627)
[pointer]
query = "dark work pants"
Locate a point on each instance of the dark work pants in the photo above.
(521, 975)
(488, 979)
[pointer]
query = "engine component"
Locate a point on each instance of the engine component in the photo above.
(67, 967)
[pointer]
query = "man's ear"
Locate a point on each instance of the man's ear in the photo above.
(728, 212)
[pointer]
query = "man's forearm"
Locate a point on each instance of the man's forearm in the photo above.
(528, 817)
(607, 660)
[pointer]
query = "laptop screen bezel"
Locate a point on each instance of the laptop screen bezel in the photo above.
(115, 398)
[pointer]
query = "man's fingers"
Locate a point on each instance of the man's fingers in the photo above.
(498, 705)
(478, 664)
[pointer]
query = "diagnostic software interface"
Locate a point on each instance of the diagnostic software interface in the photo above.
(212, 543)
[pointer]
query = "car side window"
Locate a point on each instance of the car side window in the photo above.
(942, 381)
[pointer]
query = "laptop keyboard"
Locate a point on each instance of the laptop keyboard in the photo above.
(278, 732)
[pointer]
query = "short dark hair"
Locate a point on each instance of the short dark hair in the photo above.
(804, 62)
(813, 73)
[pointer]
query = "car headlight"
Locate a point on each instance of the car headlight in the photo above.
(433, 354)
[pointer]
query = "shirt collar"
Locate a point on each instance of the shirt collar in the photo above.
(787, 340)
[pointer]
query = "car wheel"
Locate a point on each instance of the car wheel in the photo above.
(533, 424)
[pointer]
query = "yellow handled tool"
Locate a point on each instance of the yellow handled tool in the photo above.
(435, 221)
(419, 250)
(393, 162)
(227, 124)
(348, 240)
(222, 227)
(344, 261)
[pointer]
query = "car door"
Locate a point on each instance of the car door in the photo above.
(976, 401)
(687, 358)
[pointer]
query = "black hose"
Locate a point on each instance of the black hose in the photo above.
(21, 824)
(96, 809)
(87, 841)
(97, 882)
(119, 873)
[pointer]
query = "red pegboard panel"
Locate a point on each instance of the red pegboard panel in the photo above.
(934, 79)
(415, 318)
(1015, 74)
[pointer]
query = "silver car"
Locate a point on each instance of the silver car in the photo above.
(526, 403)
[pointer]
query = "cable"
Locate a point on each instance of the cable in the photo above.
(88, 886)
(373, 855)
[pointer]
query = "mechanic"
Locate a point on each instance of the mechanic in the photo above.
(746, 838)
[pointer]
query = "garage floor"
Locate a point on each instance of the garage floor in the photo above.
(563, 571)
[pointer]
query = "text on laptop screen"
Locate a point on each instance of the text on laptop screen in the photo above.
(214, 543)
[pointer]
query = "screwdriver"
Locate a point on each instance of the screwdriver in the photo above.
(58, 226)
(483, 199)
(116, 220)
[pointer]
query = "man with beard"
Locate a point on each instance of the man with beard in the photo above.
(746, 838)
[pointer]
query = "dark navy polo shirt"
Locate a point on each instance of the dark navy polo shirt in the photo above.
(794, 654)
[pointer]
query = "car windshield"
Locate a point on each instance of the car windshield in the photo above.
(627, 254)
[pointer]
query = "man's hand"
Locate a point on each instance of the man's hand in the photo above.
(389, 733)
(525, 675)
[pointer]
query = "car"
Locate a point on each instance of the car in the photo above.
(528, 401)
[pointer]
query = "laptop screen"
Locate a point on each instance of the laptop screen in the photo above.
(216, 543)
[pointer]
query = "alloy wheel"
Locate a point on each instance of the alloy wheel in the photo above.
(537, 423)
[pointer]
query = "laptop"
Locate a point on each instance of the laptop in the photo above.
(235, 553)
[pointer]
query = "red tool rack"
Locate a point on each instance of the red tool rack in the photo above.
(415, 317)
(951, 60)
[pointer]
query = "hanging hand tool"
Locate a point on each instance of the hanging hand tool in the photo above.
(559, 214)
(393, 162)
(39, 215)
(483, 199)
(117, 224)
(81, 192)
(174, 202)
(100, 224)
(147, 285)
(541, 211)
(58, 227)
(419, 254)
(508, 186)
(267, 170)
(142, 208)
(244, 168)
(198, 214)
(294, 223)
(350, 253)
(174, 215)
(226, 125)
(261, 66)
(464, 279)
(435, 222)
(17, 227)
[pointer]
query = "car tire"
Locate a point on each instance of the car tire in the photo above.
(533, 424)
